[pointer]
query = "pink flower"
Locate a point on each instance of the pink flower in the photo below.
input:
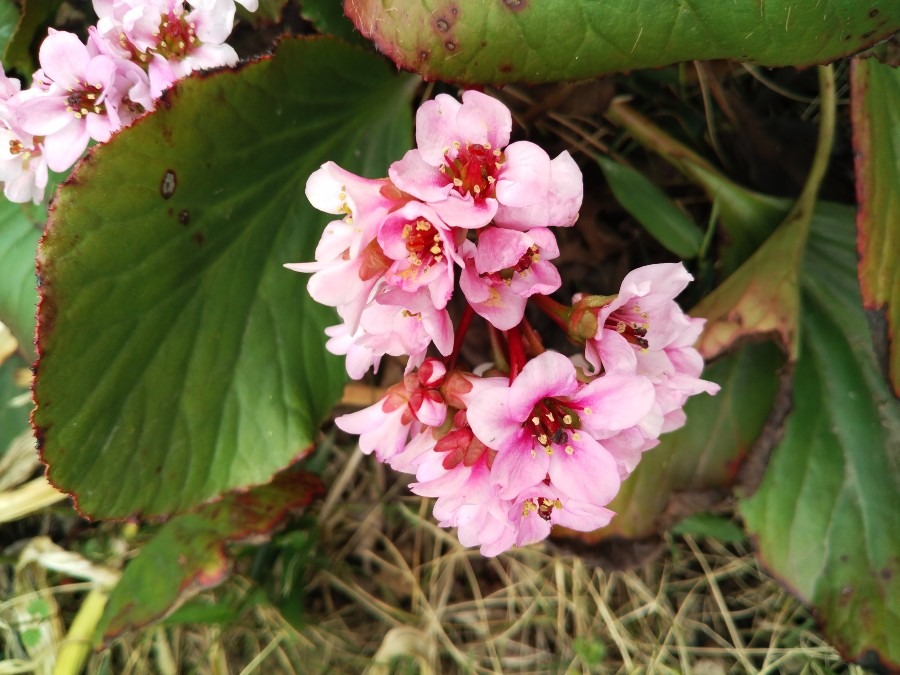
(645, 320)
(542, 506)
(399, 323)
(422, 249)
(349, 261)
(505, 269)
(458, 473)
(23, 167)
(76, 105)
(464, 168)
(543, 425)
(384, 427)
(164, 36)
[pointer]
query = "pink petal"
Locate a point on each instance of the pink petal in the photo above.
(64, 59)
(589, 474)
(436, 128)
(549, 375)
(483, 120)
(515, 470)
(525, 177)
(616, 401)
(422, 180)
(63, 148)
(465, 212)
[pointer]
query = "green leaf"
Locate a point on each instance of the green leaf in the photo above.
(178, 359)
(29, 33)
(709, 525)
(705, 453)
(187, 555)
(328, 17)
(9, 17)
(825, 516)
(14, 410)
(18, 296)
(876, 140)
(542, 41)
(746, 218)
(651, 208)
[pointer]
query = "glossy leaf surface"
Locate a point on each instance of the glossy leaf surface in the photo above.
(474, 41)
(178, 358)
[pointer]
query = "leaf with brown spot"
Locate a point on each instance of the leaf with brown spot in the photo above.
(548, 41)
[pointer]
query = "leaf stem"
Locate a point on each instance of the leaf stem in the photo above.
(461, 331)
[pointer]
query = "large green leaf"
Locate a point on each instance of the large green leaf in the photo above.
(876, 139)
(707, 452)
(177, 358)
(187, 555)
(545, 40)
(19, 237)
(825, 516)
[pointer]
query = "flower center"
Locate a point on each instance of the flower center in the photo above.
(473, 170)
(542, 506)
(177, 37)
(631, 323)
(531, 256)
(550, 423)
(89, 99)
(423, 243)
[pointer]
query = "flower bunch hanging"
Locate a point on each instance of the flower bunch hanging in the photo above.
(532, 438)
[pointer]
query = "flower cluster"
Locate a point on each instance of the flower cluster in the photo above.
(87, 91)
(533, 439)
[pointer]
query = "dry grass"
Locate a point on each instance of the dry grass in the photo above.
(401, 595)
(393, 593)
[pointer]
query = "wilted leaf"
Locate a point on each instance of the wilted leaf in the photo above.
(540, 41)
(178, 359)
(187, 555)
(825, 516)
(876, 140)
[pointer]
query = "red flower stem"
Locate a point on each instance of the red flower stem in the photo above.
(555, 310)
(532, 339)
(461, 331)
(498, 349)
(517, 357)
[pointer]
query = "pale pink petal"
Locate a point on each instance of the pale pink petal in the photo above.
(525, 176)
(548, 375)
(436, 128)
(588, 474)
(63, 148)
(422, 180)
(483, 120)
(64, 59)
(614, 401)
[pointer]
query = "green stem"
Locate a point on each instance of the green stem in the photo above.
(78, 643)
(802, 211)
